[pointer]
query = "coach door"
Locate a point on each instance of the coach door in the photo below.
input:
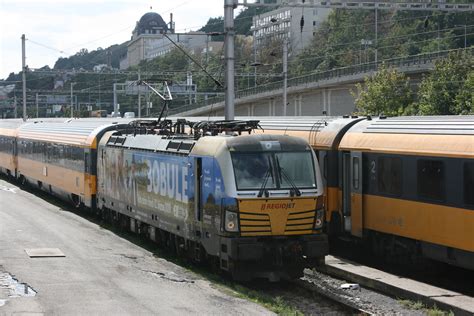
(356, 194)
(346, 190)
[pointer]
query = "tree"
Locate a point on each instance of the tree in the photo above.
(386, 92)
(448, 88)
(464, 103)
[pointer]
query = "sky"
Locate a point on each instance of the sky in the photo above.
(60, 28)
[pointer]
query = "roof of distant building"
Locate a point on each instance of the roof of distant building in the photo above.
(151, 21)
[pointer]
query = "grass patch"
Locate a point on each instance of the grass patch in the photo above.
(433, 311)
(275, 304)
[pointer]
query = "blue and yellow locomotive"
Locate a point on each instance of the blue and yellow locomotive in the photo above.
(253, 202)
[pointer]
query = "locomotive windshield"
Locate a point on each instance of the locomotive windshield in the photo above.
(273, 170)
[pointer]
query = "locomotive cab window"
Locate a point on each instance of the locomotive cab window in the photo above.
(469, 183)
(389, 175)
(431, 179)
(273, 170)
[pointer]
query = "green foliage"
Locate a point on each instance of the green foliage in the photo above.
(464, 103)
(338, 42)
(243, 22)
(87, 60)
(448, 89)
(386, 92)
(214, 25)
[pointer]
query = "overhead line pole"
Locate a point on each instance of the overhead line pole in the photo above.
(37, 106)
(72, 100)
(376, 38)
(285, 75)
(229, 6)
(139, 98)
(23, 64)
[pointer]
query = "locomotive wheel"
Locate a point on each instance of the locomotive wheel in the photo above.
(23, 181)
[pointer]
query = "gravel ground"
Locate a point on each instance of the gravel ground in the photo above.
(362, 298)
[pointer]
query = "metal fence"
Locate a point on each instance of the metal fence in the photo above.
(400, 62)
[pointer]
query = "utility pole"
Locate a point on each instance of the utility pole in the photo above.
(438, 39)
(139, 97)
(115, 100)
(23, 62)
(72, 100)
(376, 38)
(465, 37)
(229, 6)
(37, 110)
(285, 74)
(147, 102)
(255, 61)
(15, 108)
(465, 33)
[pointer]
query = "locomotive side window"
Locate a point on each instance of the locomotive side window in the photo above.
(389, 175)
(431, 179)
(469, 183)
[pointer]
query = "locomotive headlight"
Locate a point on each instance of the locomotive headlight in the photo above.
(319, 220)
(231, 222)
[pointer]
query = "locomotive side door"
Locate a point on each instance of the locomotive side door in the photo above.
(198, 189)
(356, 194)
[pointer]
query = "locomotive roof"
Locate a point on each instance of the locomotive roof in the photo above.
(451, 136)
(73, 132)
(207, 145)
(177, 144)
(212, 145)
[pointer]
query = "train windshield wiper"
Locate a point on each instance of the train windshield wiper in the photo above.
(288, 179)
(268, 174)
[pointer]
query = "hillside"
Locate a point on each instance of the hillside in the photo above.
(87, 60)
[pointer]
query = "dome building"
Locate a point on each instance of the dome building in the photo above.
(149, 41)
(150, 23)
(148, 33)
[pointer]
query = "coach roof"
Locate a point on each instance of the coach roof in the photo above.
(74, 132)
(450, 136)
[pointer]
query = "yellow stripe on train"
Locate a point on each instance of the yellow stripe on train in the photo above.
(273, 217)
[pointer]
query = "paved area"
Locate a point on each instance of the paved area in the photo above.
(101, 273)
(399, 286)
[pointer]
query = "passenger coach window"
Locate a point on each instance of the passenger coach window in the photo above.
(469, 183)
(389, 175)
(431, 179)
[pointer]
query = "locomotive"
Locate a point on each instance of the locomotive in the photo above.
(252, 204)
